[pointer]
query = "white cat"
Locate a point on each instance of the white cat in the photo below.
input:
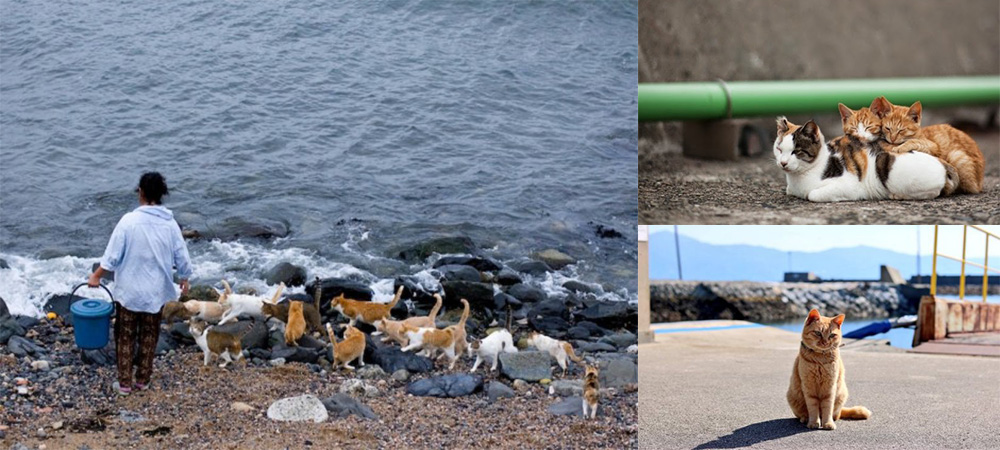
(845, 170)
(489, 349)
(560, 350)
(237, 304)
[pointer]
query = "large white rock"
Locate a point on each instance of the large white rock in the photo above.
(298, 409)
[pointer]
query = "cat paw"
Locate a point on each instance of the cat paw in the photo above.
(813, 425)
(802, 420)
(829, 426)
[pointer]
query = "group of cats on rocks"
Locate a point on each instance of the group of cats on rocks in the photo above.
(412, 334)
(883, 154)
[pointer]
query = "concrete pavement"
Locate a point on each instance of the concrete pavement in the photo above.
(724, 387)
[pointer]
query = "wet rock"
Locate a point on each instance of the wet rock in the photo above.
(401, 375)
(526, 293)
(507, 277)
(370, 371)
(358, 388)
(501, 300)
(479, 295)
(8, 328)
(415, 290)
(21, 347)
(392, 359)
(296, 354)
(571, 406)
(549, 308)
(577, 332)
(420, 251)
(4, 312)
(591, 347)
(620, 340)
(528, 365)
(4, 264)
(618, 372)
(165, 343)
(233, 228)
(343, 405)
(480, 264)
(287, 273)
(99, 357)
(454, 272)
(496, 389)
(333, 287)
(201, 292)
(593, 328)
(298, 409)
(551, 326)
(260, 353)
(453, 385)
(27, 322)
(555, 258)
(610, 314)
(566, 388)
(579, 286)
(533, 268)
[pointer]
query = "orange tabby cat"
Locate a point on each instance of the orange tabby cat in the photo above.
(296, 326)
(818, 390)
(351, 348)
(393, 329)
(901, 128)
(367, 312)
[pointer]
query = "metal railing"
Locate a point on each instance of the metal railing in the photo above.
(985, 265)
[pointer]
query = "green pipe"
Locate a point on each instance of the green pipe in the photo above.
(708, 100)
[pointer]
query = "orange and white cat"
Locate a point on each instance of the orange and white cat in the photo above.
(296, 325)
(367, 312)
(818, 389)
(393, 329)
(560, 350)
(445, 340)
(236, 304)
(226, 345)
(900, 127)
(350, 349)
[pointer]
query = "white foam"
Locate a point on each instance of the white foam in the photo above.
(28, 282)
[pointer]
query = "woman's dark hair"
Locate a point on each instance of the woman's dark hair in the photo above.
(153, 187)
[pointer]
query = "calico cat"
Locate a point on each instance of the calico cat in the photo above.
(817, 390)
(846, 169)
(393, 329)
(591, 391)
(296, 325)
(367, 312)
(237, 304)
(560, 350)
(225, 345)
(900, 127)
(350, 349)
(489, 349)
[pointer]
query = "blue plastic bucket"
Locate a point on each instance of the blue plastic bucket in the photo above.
(91, 320)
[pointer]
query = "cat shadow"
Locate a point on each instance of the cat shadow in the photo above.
(756, 433)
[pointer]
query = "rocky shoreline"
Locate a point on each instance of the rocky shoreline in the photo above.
(57, 396)
(673, 301)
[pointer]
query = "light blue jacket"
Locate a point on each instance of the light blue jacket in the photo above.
(143, 249)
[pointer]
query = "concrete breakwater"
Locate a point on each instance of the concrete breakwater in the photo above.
(673, 301)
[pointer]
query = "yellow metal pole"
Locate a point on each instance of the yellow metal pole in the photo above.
(986, 270)
(934, 264)
(961, 280)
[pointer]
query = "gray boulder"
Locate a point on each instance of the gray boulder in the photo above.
(298, 409)
(528, 366)
(481, 264)
(507, 277)
(579, 286)
(4, 312)
(620, 340)
(479, 295)
(343, 405)
(555, 258)
(454, 385)
(9, 327)
(296, 354)
(526, 293)
(566, 388)
(610, 314)
(392, 359)
(572, 406)
(444, 245)
(287, 273)
(454, 272)
(370, 371)
(496, 389)
(533, 268)
(618, 372)
(591, 347)
(99, 357)
(22, 347)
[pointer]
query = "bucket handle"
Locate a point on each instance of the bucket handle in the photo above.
(101, 285)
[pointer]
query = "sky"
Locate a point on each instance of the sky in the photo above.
(815, 238)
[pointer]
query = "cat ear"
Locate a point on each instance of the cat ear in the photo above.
(845, 112)
(782, 125)
(914, 112)
(839, 320)
(811, 130)
(881, 107)
(813, 316)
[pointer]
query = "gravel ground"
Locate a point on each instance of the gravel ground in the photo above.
(194, 402)
(683, 190)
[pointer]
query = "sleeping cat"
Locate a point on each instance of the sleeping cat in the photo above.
(350, 349)
(367, 312)
(393, 329)
(817, 390)
(296, 325)
(591, 391)
(900, 127)
(846, 169)
(225, 345)
(237, 304)
(489, 349)
(560, 350)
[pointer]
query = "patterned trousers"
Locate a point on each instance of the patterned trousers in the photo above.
(132, 330)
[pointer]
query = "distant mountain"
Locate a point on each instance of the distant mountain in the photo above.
(702, 261)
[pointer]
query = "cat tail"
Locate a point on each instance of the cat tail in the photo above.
(437, 306)
(333, 337)
(395, 299)
(509, 313)
(951, 181)
(225, 293)
(317, 293)
(465, 313)
(856, 413)
(277, 294)
(571, 353)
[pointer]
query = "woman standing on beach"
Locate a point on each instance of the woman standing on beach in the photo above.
(144, 247)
